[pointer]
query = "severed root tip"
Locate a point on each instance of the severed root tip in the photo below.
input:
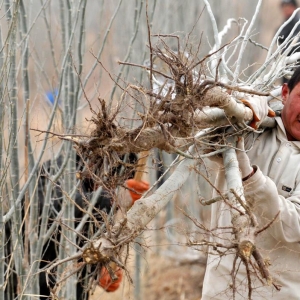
(98, 251)
(263, 268)
(245, 249)
(277, 286)
(112, 268)
(93, 256)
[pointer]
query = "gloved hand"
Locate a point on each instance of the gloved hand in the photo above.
(139, 186)
(243, 159)
(260, 109)
(106, 282)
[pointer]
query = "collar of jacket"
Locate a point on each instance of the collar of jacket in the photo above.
(281, 133)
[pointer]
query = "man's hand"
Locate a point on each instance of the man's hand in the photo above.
(106, 282)
(260, 109)
(243, 159)
(139, 186)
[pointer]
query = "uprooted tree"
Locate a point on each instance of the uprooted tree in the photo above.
(192, 107)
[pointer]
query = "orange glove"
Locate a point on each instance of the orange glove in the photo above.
(106, 282)
(139, 186)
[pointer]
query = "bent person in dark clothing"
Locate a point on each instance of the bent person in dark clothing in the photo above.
(288, 7)
(81, 199)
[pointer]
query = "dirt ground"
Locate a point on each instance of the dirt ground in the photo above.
(162, 279)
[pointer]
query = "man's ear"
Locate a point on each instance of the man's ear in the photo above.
(284, 92)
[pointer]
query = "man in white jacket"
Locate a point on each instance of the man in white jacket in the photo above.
(270, 169)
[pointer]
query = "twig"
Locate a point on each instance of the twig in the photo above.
(150, 46)
(146, 68)
(268, 225)
(230, 87)
(262, 266)
(246, 207)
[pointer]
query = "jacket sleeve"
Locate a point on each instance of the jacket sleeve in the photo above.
(261, 193)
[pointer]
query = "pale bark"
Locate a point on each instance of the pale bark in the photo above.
(147, 208)
(243, 227)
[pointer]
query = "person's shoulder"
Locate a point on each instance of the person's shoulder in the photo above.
(291, 23)
(253, 137)
(250, 138)
(296, 19)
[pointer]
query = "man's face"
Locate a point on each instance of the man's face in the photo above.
(287, 10)
(290, 113)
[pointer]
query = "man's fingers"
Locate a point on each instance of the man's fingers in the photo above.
(271, 113)
(261, 109)
(255, 119)
(240, 143)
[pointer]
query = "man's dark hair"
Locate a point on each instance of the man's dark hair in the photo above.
(292, 2)
(295, 79)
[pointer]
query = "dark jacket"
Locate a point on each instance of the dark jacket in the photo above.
(50, 250)
(284, 33)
